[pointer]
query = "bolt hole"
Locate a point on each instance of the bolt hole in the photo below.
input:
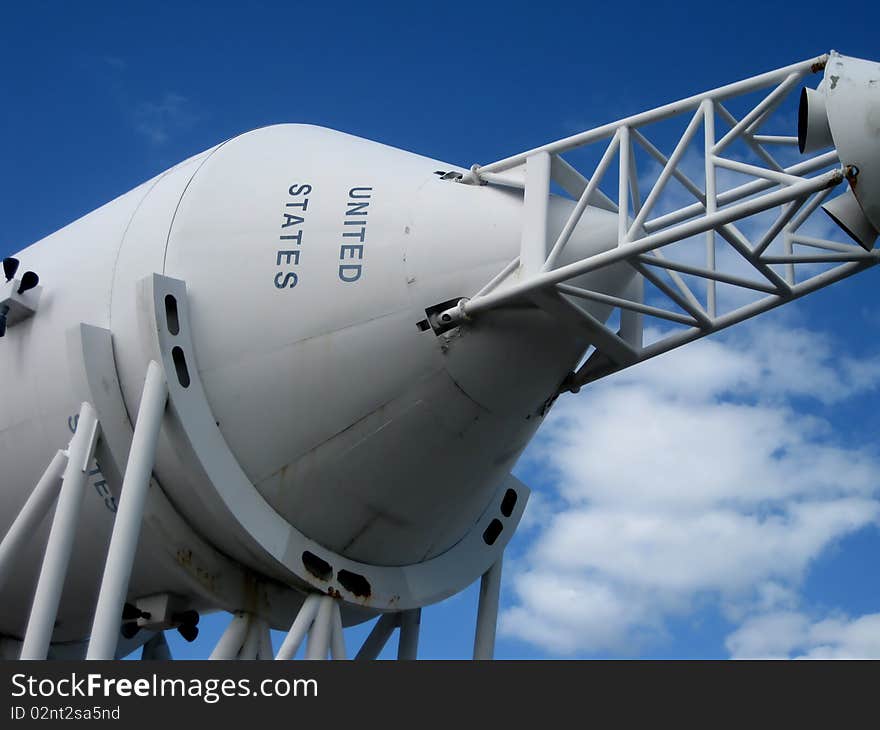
(508, 503)
(316, 566)
(180, 366)
(171, 317)
(354, 583)
(492, 532)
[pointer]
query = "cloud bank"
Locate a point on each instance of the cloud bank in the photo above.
(700, 479)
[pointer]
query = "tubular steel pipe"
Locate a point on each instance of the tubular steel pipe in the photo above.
(230, 642)
(156, 649)
(250, 648)
(408, 645)
(536, 199)
(487, 612)
(643, 245)
(265, 651)
(655, 115)
(129, 516)
(337, 639)
(57, 557)
(319, 637)
(31, 514)
(740, 192)
(378, 637)
(300, 627)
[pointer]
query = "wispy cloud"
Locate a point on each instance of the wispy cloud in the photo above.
(159, 120)
(156, 119)
(690, 481)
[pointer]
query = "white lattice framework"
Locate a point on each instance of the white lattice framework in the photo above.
(795, 192)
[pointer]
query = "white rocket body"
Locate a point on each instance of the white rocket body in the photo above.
(310, 258)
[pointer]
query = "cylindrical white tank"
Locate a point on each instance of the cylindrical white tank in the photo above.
(310, 258)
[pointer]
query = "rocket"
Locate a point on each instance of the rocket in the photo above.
(289, 377)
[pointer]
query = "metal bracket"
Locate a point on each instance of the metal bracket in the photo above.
(215, 581)
(21, 306)
(257, 535)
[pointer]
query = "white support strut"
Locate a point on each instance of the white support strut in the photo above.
(664, 112)
(487, 613)
(251, 646)
(533, 247)
(378, 637)
(649, 243)
(156, 649)
(231, 640)
(318, 643)
(129, 515)
(47, 596)
(300, 627)
(337, 638)
(265, 651)
(408, 643)
(31, 514)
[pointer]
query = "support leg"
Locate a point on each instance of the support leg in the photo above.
(487, 613)
(408, 644)
(252, 640)
(30, 516)
(156, 649)
(230, 643)
(127, 525)
(378, 637)
(319, 637)
(337, 640)
(57, 556)
(265, 651)
(300, 627)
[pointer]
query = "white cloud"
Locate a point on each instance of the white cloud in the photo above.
(772, 362)
(566, 612)
(791, 634)
(769, 636)
(692, 479)
(683, 551)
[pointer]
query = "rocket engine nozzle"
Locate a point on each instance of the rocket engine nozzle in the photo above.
(844, 111)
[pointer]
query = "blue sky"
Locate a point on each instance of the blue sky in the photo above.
(98, 97)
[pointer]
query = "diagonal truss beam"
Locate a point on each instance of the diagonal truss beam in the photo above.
(795, 191)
